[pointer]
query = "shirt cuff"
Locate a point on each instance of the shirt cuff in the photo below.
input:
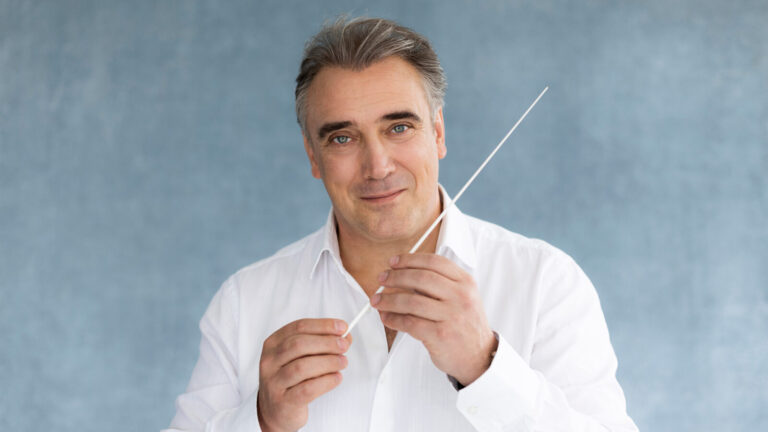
(244, 418)
(505, 396)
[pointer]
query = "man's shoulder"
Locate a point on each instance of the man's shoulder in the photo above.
(543, 261)
(290, 257)
(489, 234)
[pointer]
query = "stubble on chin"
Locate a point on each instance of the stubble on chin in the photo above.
(401, 224)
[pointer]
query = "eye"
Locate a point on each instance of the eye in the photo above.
(400, 128)
(341, 139)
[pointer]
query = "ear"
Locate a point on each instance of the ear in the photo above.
(439, 128)
(312, 160)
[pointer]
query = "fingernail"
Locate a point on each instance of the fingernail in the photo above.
(375, 299)
(383, 276)
(394, 260)
(340, 326)
(342, 343)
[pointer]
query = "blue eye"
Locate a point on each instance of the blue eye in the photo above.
(400, 128)
(341, 139)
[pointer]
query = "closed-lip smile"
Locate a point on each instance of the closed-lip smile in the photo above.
(382, 197)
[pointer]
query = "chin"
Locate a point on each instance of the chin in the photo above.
(393, 228)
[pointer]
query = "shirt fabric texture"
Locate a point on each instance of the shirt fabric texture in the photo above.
(554, 369)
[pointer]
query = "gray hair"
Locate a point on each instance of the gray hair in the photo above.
(356, 44)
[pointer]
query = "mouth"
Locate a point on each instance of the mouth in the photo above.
(382, 198)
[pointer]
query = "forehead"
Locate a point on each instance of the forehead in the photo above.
(337, 94)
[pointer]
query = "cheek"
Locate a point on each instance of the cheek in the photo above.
(423, 161)
(338, 171)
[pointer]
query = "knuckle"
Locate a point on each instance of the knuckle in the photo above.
(301, 326)
(264, 363)
(268, 343)
(467, 305)
(281, 349)
(298, 368)
(469, 283)
(306, 391)
(465, 298)
(291, 344)
(280, 352)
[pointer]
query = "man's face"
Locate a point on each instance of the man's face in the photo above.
(375, 146)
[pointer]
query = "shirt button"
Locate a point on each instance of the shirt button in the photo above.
(472, 410)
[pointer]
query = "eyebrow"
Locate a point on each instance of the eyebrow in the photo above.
(400, 115)
(397, 115)
(330, 127)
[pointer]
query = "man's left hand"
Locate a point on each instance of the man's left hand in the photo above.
(435, 301)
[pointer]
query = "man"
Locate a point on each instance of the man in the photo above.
(481, 329)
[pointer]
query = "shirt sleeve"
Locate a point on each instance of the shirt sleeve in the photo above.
(212, 401)
(570, 382)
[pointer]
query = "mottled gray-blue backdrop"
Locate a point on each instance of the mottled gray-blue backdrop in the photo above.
(148, 149)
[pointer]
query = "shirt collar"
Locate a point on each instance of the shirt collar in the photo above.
(455, 236)
(329, 244)
(454, 239)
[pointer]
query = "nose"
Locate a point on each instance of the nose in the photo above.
(377, 163)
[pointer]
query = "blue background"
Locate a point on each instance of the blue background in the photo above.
(148, 149)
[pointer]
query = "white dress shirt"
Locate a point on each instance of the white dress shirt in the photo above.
(554, 369)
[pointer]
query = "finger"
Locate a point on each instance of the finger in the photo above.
(423, 281)
(419, 328)
(317, 326)
(410, 303)
(427, 261)
(307, 391)
(309, 367)
(301, 345)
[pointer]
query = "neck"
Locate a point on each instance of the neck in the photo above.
(364, 258)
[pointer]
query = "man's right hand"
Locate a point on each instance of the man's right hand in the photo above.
(299, 362)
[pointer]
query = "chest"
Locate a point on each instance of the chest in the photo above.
(391, 334)
(390, 382)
